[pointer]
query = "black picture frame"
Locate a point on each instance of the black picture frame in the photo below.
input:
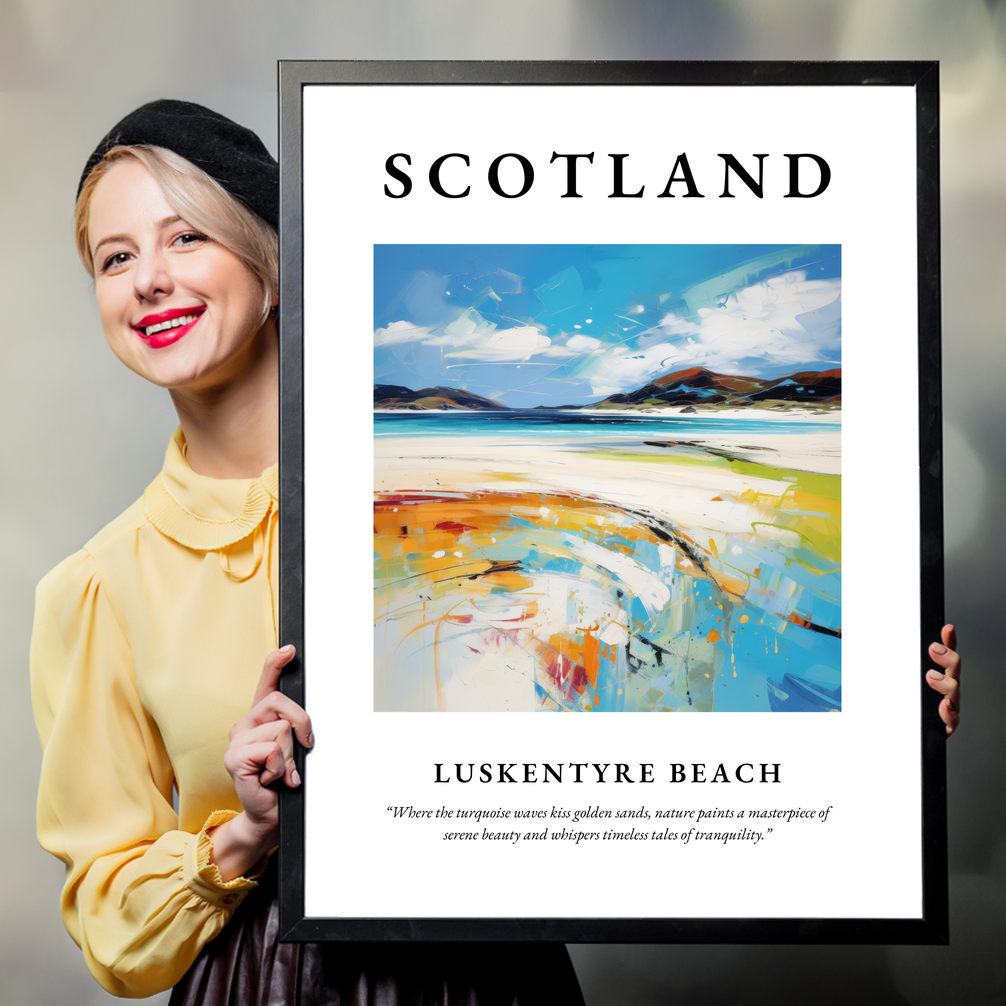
(932, 925)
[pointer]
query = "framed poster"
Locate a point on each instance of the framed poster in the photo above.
(604, 353)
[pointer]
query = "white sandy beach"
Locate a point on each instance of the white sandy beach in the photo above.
(736, 497)
(678, 484)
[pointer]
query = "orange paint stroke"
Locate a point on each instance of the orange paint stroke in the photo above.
(591, 653)
(734, 586)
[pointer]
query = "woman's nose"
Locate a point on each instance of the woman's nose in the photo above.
(152, 277)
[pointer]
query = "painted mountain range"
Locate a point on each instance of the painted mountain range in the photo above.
(698, 386)
(686, 388)
(394, 396)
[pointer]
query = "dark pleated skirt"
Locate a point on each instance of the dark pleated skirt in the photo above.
(246, 965)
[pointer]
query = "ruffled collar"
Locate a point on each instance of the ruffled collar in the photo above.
(203, 513)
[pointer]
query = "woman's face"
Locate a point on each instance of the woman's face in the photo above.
(177, 308)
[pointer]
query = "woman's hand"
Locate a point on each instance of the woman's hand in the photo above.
(260, 753)
(947, 682)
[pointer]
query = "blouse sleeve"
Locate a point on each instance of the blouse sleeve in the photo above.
(141, 898)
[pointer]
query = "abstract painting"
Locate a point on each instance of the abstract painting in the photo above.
(607, 478)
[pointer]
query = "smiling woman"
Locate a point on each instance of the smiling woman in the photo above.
(158, 278)
(148, 642)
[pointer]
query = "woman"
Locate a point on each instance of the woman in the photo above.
(148, 643)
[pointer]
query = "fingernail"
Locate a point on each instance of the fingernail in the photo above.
(936, 675)
(310, 740)
(938, 648)
(295, 777)
(287, 649)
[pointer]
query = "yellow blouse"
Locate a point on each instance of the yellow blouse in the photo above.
(147, 647)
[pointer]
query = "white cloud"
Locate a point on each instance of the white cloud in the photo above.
(574, 346)
(626, 369)
(398, 332)
(785, 321)
(470, 336)
(505, 344)
(582, 343)
(668, 327)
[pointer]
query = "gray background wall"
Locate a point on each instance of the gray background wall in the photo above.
(82, 436)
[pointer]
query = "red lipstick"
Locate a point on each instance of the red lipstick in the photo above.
(166, 327)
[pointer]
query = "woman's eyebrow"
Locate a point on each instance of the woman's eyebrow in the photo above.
(109, 240)
(160, 225)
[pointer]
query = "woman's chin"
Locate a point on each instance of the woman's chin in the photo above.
(196, 365)
(173, 374)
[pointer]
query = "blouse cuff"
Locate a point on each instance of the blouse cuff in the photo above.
(202, 876)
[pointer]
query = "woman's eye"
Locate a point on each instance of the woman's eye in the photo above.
(114, 261)
(190, 238)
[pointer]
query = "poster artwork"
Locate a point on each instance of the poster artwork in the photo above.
(607, 478)
(609, 471)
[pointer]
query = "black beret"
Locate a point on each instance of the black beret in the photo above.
(230, 154)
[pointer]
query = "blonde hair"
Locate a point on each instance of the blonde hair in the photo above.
(199, 200)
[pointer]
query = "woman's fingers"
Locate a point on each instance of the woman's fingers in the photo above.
(276, 735)
(260, 761)
(950, 716)
(277, 706)
(270, 703)
(949, 636)
(947, 686)
(949, 689)
(261, 749)
(274, 766)
(947, 680)
(271, 670)
(949, 660)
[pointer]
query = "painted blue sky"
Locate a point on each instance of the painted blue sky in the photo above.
(530, 325)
